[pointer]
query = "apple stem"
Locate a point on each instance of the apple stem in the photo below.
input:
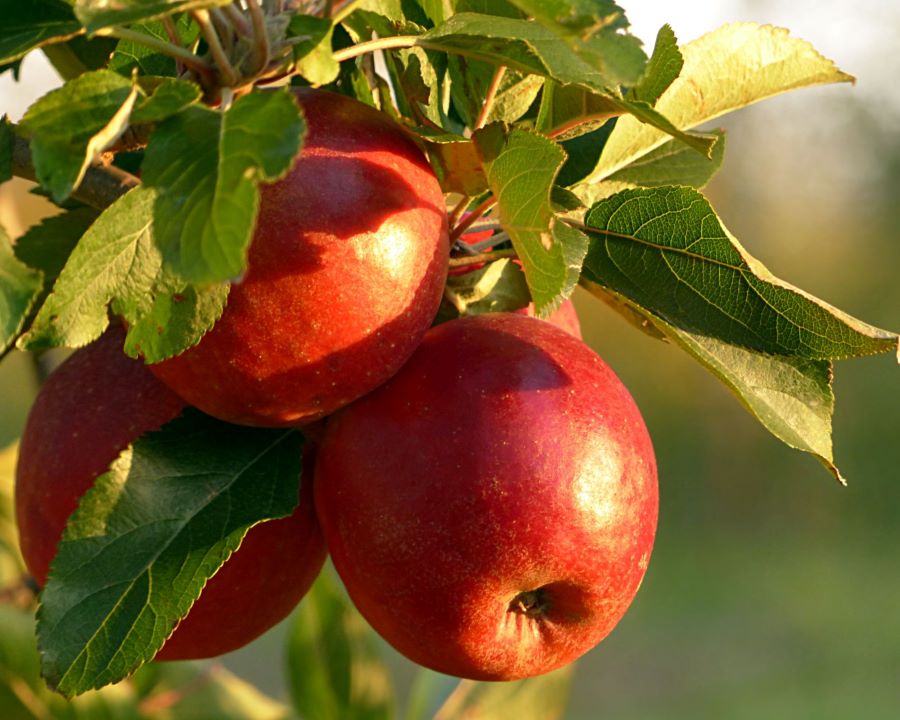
(531, 603)
(490, 96)
(482, 258)
(470, 219)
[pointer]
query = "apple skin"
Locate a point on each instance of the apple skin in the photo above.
(491, 509)
(92, 407)
(346, 272)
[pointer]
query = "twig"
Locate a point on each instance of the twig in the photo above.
(482, 258)
(344, 11)
(490, 96)
(172, 32)
(466, 222)
(100, 188)
(388, 43)
(457, 210)
(261, 35)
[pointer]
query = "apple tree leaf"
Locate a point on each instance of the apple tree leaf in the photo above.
(148, 535)
(20, 287)
(521, 168)
(470, 80)
(169, 98)
(6, 149)
(725, 70)
(791, 396)
(499, 286)
(662, 69)
(672, 164)
(455, 161)
(117, 264)
(68, 127)
(334, 668)
(667, 251)
(205, 166)
(129, 55)
(313, 56)
(79, 55)
(98, 14)
(32, 24)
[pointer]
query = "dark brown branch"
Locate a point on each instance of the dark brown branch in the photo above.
(100, 187)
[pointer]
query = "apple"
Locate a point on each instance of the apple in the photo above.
(491, 509)
(345, 274)
(89, 410)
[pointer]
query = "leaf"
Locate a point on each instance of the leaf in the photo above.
(206, 166)
(665, 250)
(334, 669)
(12, 567)
(521, 169)
(593, 30)
(79, 55)
(148, 535)
(663, 68)
(199, 691)
(130, 55)
(314, 57)
(470, 80)
(118, 264)
(531, 48)
(499, 286)
(19, 288)
(47, 245)
(31, 24)
(70, 126)
(169, 98)
(727, 69)
(671, 164)
(538, 698)
(98, 14)
(792, 397)
(455, 161)
(6, 149)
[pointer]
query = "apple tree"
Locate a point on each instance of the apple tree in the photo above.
(281, 225)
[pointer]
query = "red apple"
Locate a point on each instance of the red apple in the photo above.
(491, 508)
(96, 404)
(346, 272)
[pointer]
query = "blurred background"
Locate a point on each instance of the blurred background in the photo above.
(772, 592)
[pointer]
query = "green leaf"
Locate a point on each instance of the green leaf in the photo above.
(471, 80)
(314, 57)
(539, 698)
(169, 98)
(499, 286)
(665, 250)
(6, 149)
(455, 161)
(70, 126)
(31, 24)
(673, 164)
(118, 263)
(206, 166)
(79, 55)
(521, 168)
(334, 669)
(727, 69)
(199, 691)
(98, 14)
(663, 68)
(148, 535)
(593, 29)
(791, 396)
(48, 245)
(130, 55)
(19, 288)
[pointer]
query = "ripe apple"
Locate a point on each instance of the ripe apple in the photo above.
(345, 274)
(88, 411)
(491, 508)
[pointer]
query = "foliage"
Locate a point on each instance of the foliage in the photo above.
(548, 119)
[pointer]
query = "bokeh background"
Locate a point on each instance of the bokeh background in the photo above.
(772, 592)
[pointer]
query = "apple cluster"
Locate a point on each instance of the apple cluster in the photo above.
(486, 487)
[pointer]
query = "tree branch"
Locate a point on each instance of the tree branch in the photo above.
(100, 188)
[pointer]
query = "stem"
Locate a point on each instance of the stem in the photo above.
(166, 48)
(229, 74)
(465, 223)
(457, 210)
(482, 258)
(388, 43)
(172, 32)
(100, 188)
(237, 19)
(491, 95)
(344, 11)
(260, 33)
